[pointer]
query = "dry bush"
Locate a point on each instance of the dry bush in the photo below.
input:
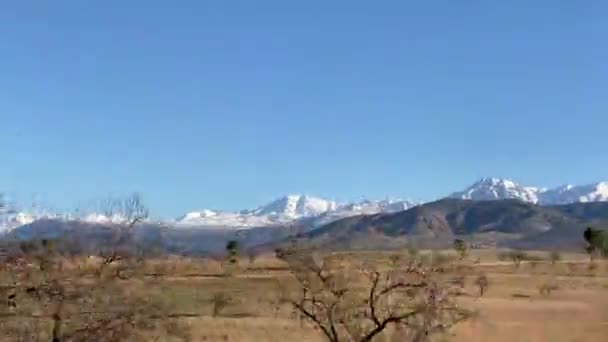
(219, 302)
(359, 303)
(514, 256)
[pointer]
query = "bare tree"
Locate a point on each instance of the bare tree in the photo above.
(59, 296)
(359, 304)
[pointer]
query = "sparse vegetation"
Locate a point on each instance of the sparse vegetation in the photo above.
(144, 296)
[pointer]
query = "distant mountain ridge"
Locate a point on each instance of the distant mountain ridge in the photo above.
(315, 211)
(503, 223)
(291, 208)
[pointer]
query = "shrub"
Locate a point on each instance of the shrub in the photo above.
(546, 288)
(482, 283)
(460, 246)
(554, 257)
(219, 302)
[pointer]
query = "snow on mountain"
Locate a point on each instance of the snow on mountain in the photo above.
(596, 192)
(9, 222)
(288, 209)
(101, 218)
(222, 219)
(317, 211)
(495, 188)
(294, 206)
(282, 210)
(365, 207)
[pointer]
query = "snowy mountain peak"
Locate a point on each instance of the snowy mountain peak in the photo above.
(490, 188)
(198, 215)
(294, 206)
(595, 192)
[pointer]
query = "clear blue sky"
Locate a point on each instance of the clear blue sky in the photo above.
(228, 104)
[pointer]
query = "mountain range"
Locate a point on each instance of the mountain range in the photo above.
(291, 208)
(496, 189)
(503, 223)
(316, 212)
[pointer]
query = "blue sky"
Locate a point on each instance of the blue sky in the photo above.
(228, 104)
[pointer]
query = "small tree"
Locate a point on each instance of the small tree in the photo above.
(232, 247)
(597, 242)
(460, 246)
(482, 283)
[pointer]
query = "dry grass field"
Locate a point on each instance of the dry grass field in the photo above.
(513, 309)
(217, 301)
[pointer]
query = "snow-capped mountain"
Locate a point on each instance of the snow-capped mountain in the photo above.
(496, 189)
(365, 207)
(282, 210)
(596, 192)
(288, 209)
(14, 220)
(294, 206)
(316, 211)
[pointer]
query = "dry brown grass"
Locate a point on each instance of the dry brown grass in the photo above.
(512, 309)
(577, 311)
